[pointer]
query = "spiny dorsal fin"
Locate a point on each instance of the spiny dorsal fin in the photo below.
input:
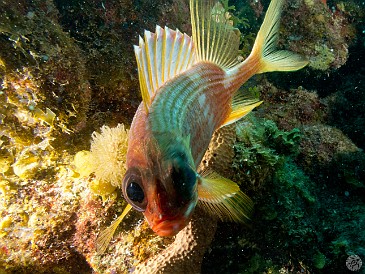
(221, 197)
(215, 39)
(160, 56)
(242, 104)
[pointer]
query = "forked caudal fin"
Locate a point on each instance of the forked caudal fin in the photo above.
(266, 42)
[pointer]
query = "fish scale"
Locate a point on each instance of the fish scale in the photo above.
(169, 112)
(182, 110)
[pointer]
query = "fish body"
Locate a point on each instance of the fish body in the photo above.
(172, 139)
(189, 90)
(168, 143)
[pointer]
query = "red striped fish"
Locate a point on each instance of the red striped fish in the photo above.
(189, 90)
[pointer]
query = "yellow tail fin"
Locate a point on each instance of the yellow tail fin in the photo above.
(272, 59)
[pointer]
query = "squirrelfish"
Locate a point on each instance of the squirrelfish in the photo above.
(189, 88)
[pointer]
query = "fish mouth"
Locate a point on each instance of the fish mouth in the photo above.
(169, 227)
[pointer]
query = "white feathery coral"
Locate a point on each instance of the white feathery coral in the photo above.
(108, 154)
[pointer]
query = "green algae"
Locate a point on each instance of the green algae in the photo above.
(295, 210)
(259, 149)
(319, 260)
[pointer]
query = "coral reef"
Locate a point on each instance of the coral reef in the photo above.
(44, 96)
(255, 153)
(67, 68)
(315, 30)
(296, 227)
(106, 33)
(329, 141)
(37, 223)
(292, 109)
(48, 71)
(185, 254)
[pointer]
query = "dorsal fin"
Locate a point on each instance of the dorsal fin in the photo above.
(160, 56)
(215, 39)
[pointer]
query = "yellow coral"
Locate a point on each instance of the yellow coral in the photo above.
(106, 159)
(26, 165)
(4, 224)
(5, 188)
(47, 116)
(5, 162)
(83, 163)
(2, 64)
(102, 188)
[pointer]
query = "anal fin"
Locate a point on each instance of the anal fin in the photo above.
(242, 104)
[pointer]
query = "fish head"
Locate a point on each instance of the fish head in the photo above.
(165, 191)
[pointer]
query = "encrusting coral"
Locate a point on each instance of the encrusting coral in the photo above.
(48, 73)
(320, 33)
(37, 221)
(185, 254)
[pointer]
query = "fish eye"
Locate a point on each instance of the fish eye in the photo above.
(133, 190)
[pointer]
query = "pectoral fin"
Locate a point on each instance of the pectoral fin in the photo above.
(222, 197)
(106, 235)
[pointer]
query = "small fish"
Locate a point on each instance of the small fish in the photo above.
(189, 89)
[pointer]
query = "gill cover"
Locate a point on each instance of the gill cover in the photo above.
(183, 177)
